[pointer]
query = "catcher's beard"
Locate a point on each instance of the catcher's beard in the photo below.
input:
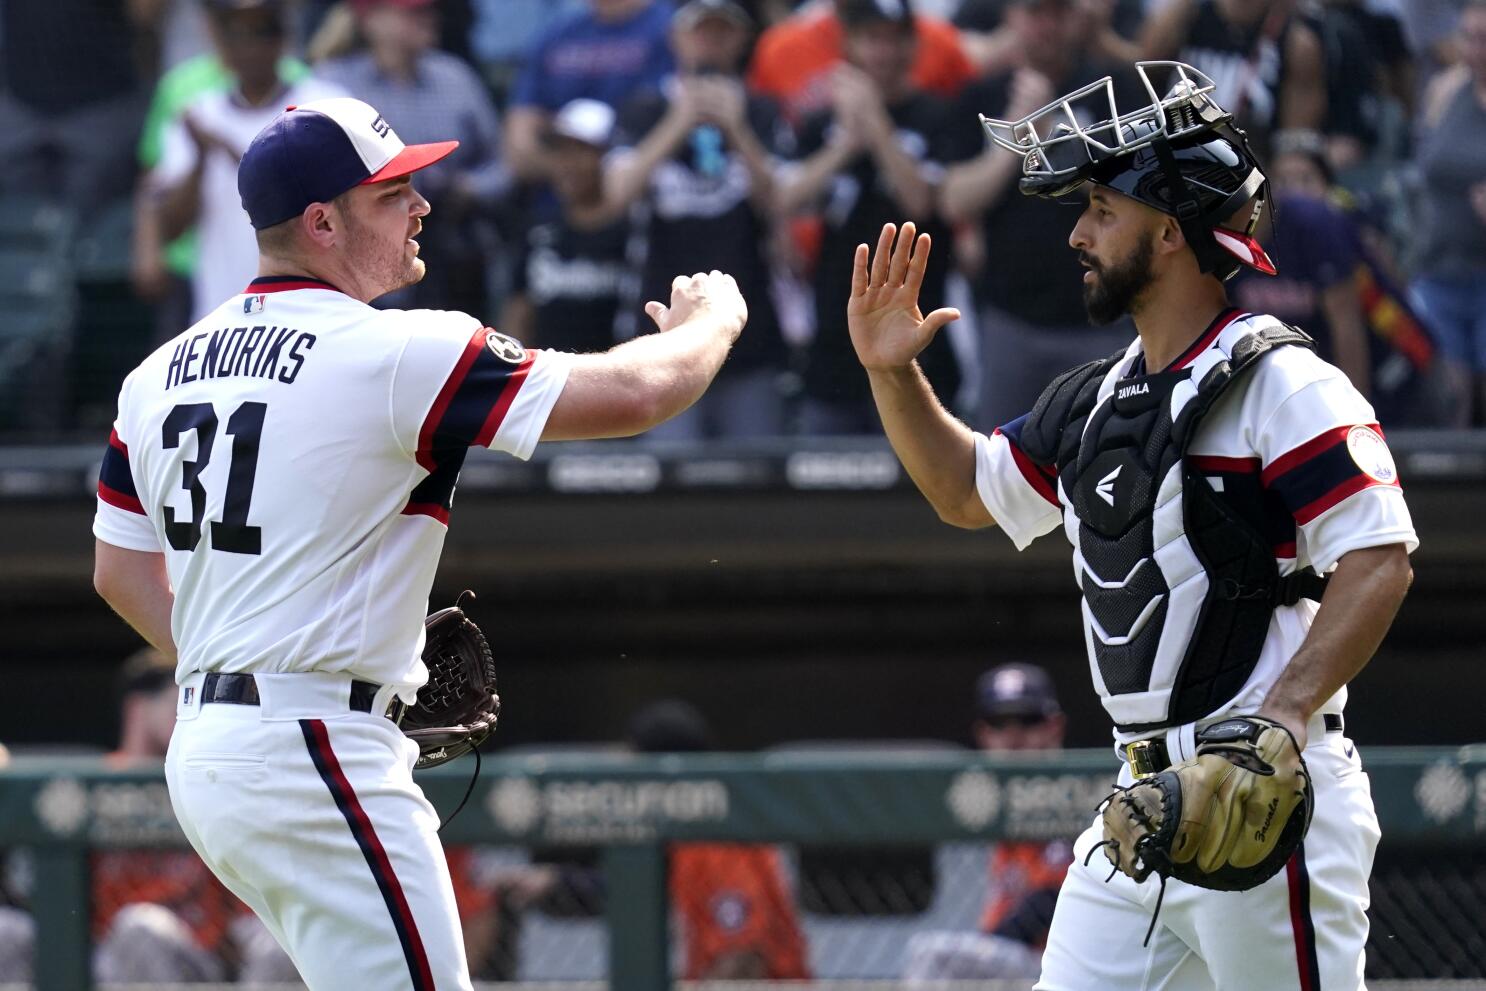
(1115, 288)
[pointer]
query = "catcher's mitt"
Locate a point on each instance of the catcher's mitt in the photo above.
(457, 709)
(1228, 819)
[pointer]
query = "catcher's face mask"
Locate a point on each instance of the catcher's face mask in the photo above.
(1180, 154)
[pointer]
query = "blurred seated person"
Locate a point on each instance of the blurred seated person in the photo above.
(502, 32)
(72, 97)
(569, 273)
(794, 60)
(1016, 710)
(1317, 250)
(404, 75)
(697, 155)
(1030, 318)
(606, 52)
(732, 902)
(1370, 82)
(159, 916)
(159, 271)
(874, 156)
(1336, 271)
(995, 46)
(195, 182)
(1449, 285)
(1264, 55)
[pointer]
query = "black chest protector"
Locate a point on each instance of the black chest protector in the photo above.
(1178, 588)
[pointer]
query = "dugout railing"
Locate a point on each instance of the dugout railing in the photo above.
(1432, 803)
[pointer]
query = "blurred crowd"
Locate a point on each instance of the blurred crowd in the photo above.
(609, 145)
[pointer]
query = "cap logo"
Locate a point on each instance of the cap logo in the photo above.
(381, 126)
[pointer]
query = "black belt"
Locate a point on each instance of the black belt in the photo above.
(1147, 757)
(241, 689)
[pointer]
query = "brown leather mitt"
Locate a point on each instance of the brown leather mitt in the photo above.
(1228, 819)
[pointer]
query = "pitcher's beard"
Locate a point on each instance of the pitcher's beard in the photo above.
(1115, 288)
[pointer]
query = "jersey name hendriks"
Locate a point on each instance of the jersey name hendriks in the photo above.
(260, 352)
(298, 472)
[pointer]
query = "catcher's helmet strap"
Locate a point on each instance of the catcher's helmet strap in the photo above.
(1216, 254)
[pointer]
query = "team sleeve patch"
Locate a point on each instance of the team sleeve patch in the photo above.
(1322, 472)
(115, 480)
(476, 397)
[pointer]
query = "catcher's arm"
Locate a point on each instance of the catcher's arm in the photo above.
(1361, 600)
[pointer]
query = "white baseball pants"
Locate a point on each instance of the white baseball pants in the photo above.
(308, 812)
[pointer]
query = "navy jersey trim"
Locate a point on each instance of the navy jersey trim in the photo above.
(1042, 478)
(286, 283)
(1319, 474)
(474, 400)
(317, 740)
(115, 480)
(1301, 923)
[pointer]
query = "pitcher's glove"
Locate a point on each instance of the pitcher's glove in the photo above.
(457, 709)
(1228, 819)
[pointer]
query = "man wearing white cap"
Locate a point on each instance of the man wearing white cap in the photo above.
(272, 506)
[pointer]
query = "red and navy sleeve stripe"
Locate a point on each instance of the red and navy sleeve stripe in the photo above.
(1043, 478)
(474, 401)
(115, 480)
(1318, 474)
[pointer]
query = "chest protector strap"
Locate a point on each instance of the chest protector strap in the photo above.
(1114, 459)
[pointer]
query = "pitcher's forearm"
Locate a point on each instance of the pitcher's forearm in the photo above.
(937, 450)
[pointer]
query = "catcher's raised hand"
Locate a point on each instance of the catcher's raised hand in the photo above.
(887, 328)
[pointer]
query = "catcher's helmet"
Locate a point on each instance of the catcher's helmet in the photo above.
(1181, 154)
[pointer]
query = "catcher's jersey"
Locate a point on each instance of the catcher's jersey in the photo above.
(294, 455)
(1292, 446)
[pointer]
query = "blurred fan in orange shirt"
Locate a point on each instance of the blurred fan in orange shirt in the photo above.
(736, 912)
(793, 59)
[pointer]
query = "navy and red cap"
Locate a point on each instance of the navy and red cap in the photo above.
(1016, 690)
(314, 152)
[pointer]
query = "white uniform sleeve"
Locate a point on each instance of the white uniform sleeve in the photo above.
(459, 384)
(1322, 452)
(1021, 495)
(120, 518)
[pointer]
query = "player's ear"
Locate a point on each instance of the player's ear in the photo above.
(320, 224)
(1169, 238)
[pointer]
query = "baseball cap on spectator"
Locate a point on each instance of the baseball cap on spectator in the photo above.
(1016, 690)
(590, 122)
(856, 13)
(314, 152)
(694, 12)
(669, 726)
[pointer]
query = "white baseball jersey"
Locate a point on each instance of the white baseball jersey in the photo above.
(294, 455)
(1292, 437)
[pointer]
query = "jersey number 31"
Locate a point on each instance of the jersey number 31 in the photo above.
(245, 426)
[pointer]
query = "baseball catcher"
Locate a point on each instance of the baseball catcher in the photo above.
(458, 707)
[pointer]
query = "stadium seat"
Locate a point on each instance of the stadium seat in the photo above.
(103, 245)
(31, 224)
